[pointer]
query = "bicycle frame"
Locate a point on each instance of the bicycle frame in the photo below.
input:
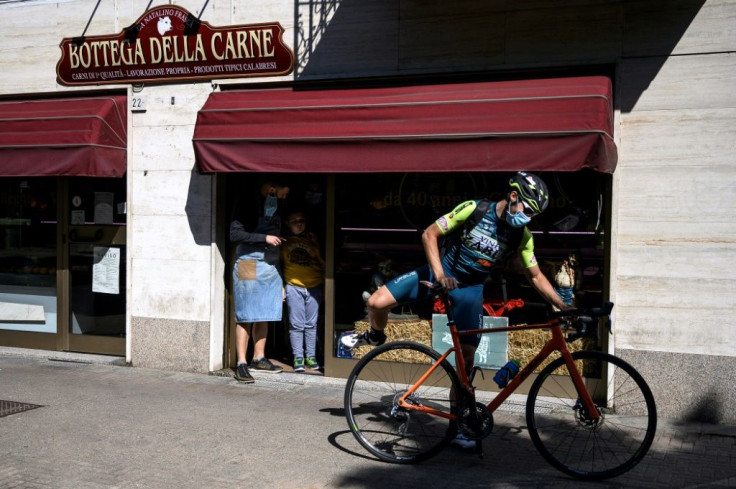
(556, 343)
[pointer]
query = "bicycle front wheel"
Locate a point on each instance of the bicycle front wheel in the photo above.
(575, 443)
(392, 433)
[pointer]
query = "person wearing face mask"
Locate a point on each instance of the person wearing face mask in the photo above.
(468, 259)
(255, 229)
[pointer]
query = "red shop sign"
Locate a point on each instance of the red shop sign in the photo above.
(168, 43)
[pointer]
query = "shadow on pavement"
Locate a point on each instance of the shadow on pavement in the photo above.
(677, 459)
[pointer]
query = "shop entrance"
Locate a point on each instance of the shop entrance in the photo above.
(63, 262)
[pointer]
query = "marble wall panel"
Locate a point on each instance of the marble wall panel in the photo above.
(170, 344)
(169, 237)
(172, 105)
(170, 289)
(704, 27)
(162, 148)
(687, 387)
(172, 193)
(678, 139)
(678, 82)
(696, 263)
(564, 33)
(441, 35)
(686, 329)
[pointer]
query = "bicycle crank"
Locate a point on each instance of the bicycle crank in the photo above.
(475, 424)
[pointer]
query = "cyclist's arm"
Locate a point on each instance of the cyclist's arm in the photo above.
(442, 226)
(430, 241)
(534, 274)
(542, 285)
(456, 218)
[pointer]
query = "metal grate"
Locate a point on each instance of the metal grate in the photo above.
(11, 407)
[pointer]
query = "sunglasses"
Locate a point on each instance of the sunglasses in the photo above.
(528, 211)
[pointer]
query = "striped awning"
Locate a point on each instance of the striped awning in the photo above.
(85, 136)
(561, 124)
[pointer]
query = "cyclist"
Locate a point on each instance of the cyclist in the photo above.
(467, 259)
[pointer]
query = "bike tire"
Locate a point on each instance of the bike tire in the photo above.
(575, 444)
(392, 434)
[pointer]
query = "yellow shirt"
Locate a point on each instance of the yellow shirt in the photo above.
(302, 264)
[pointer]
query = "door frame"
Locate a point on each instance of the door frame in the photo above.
(63, 339)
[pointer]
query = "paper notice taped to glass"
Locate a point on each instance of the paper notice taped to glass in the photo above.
(103, 207)
(106, 270)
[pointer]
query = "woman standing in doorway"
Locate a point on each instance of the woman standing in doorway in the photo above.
(257, 284)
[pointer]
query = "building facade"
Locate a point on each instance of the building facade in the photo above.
(160, 229)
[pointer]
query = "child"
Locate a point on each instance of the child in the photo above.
(304, 276)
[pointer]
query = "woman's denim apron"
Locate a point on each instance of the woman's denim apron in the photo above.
(257, 283)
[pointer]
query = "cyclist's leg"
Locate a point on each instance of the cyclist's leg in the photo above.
(401, 289)
(467, 309)
(378, 304)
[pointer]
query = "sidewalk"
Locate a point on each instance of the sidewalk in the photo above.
(102, 424)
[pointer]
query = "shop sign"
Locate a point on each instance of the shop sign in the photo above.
(168, 43)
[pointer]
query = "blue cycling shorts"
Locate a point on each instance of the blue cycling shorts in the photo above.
(466, 302)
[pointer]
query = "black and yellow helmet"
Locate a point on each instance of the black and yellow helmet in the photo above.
(531, 189)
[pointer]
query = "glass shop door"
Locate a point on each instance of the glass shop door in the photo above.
(62, 264)
(96, 255)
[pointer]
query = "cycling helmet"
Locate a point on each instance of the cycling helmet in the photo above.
(531, 189)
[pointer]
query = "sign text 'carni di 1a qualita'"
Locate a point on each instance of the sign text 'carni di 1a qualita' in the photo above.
(166, 44)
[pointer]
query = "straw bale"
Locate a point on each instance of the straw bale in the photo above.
(416, 330)
(526, 344)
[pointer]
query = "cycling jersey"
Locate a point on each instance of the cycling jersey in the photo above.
(470, 255)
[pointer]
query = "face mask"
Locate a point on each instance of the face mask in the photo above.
(518, 220)
(269, 208)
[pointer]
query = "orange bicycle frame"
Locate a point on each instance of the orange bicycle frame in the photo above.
(556, 343)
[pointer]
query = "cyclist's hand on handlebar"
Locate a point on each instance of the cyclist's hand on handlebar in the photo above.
(448, 283)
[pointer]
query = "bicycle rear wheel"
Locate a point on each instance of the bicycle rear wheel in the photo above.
(572, 441)
(379, 379)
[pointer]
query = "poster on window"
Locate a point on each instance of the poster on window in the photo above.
(103, 207)
(106, 270)
(492, 352)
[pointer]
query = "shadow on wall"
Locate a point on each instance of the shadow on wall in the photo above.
(199, 207)
(706, 409)
(369, 38)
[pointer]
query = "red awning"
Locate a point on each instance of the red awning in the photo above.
(63, 137)
(562, 124)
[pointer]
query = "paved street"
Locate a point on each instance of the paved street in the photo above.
(105, 425)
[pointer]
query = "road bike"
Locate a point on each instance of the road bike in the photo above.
(589, 414)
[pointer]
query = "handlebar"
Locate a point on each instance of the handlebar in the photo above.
(438, 287)
(590, 312)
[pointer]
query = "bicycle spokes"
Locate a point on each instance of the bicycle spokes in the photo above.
(392, 425)
(581, 444)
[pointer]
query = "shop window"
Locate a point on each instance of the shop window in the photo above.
(28, 258)
(379, 220)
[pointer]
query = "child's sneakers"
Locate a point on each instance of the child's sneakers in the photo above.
(312, 363)
(299, 364)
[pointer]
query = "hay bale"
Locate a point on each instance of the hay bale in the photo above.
(416, 330)
(527, 343)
